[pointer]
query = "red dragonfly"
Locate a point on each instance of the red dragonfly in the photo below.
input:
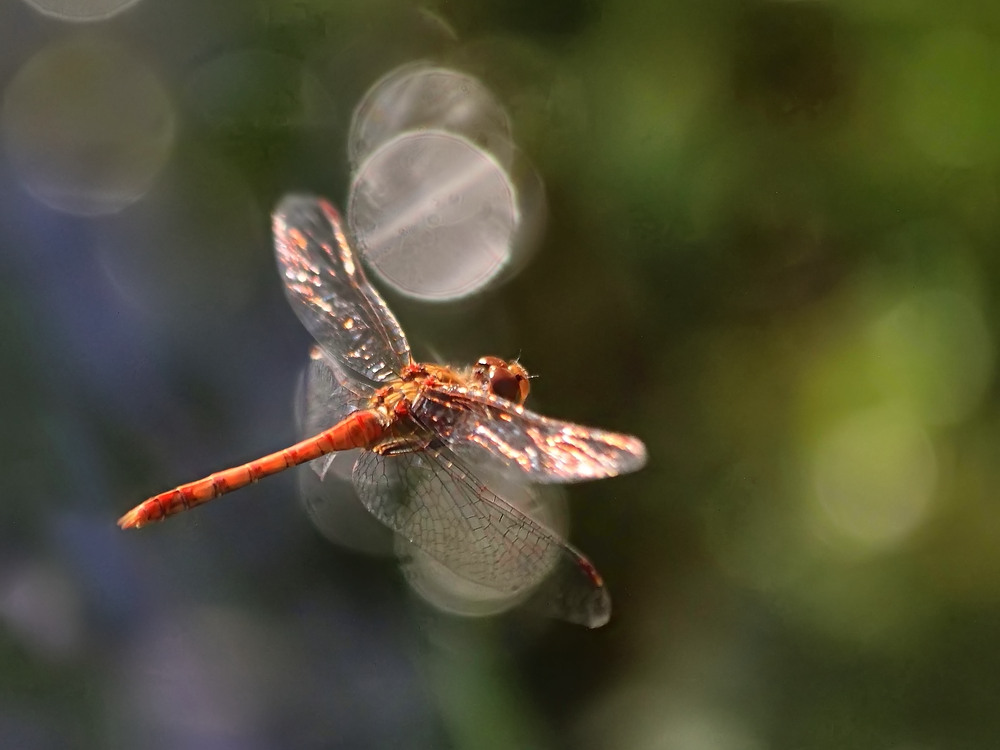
(422, 426)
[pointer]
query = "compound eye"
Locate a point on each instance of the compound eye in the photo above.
(523, 388)
(520, 375)
(505, 384)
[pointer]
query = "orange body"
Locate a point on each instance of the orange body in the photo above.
(361, 429)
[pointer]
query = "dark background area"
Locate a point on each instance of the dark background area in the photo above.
(771, 253)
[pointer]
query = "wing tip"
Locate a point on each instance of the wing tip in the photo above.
(596, 609)
(639, 453)
(298, 203)
(591, 610)
(599, 610)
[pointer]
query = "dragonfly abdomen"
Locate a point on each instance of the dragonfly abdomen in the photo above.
(360, 429)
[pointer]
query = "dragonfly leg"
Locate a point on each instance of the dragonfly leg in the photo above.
(399, 445)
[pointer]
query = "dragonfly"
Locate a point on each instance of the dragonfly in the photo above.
(423, 429)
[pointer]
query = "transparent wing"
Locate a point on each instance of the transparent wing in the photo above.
(327, 394)
(327, 288)
(542, 449)
(432, 501)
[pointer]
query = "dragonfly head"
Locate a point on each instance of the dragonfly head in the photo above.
(505, 379)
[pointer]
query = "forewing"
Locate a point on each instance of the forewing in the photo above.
(433, 502)
(327, 289)
(481, 426)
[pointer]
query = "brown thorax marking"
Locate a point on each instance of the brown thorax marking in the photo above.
(394, 400)
(490, 375)
(402, 392)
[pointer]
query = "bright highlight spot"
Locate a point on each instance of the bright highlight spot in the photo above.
(81, 10)
(934, 351)
(87, 126)
(875, 474)
(40, 607)
(678, 712)
(424, 97)
(435, 216)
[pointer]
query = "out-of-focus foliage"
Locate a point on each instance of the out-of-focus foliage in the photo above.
(771, 252)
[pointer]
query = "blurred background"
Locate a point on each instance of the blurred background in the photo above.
(769, 249)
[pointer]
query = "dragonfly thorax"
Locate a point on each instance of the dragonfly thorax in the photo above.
(402, 392)
(490, 375)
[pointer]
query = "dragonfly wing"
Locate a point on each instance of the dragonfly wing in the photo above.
(433, 502)
(326, 395)
(327, 288)
(476, 425)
